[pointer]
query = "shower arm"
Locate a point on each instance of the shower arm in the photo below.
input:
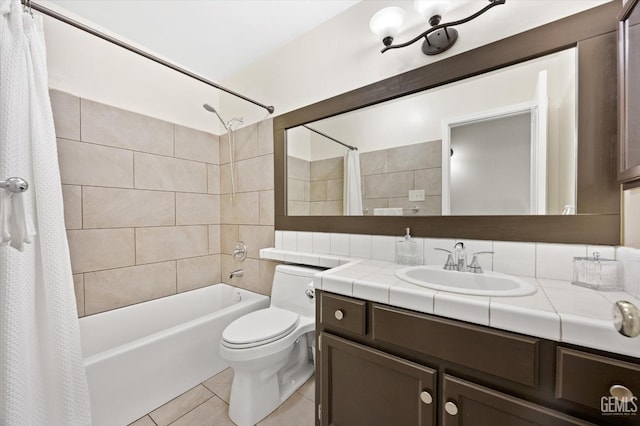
(34, 6)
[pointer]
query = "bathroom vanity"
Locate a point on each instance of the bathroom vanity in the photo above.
(382, 365)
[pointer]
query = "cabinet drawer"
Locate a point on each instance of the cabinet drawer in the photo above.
(501, 354)
(343, 313)
(586, 379)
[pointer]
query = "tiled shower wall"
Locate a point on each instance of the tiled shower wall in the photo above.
(143, 207)
(248, 215)
(316, 188)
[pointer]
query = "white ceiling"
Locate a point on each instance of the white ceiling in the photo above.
(214, 38)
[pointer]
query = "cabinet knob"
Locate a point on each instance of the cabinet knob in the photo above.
(426, 397)
(621, 393)
(451, 408)
(626, 318)
(339, 314)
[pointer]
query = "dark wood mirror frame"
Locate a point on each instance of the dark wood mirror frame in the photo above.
(593, 33)
(629, 174)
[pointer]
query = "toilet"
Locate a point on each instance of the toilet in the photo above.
(271, 350)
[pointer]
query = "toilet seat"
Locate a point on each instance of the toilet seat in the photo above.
(259, 328)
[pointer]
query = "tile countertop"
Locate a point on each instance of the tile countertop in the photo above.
(557, 311)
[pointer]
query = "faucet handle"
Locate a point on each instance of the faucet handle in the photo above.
(474, 266)
(449, 265)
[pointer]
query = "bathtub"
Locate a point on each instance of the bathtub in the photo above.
(141, 356)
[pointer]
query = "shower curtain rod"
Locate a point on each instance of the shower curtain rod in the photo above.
(353, 148)
(31, 5)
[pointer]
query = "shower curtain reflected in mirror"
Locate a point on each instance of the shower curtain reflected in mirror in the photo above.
(352, 184)
(42, 377)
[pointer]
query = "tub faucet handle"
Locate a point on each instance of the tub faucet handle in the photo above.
(240, 251)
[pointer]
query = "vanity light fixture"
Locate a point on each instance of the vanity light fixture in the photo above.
(386, 24)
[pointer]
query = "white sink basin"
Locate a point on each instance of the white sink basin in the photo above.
(487, 283)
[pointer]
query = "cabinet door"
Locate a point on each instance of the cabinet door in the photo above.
(364, 386)
(629, 91)
(465, 403)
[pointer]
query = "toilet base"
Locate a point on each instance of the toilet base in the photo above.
(257, 390)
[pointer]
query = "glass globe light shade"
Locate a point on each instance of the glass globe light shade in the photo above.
(387, 22)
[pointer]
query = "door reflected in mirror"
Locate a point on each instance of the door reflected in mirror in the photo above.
(501, 143)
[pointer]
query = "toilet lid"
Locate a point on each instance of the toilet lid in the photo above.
(259, 327)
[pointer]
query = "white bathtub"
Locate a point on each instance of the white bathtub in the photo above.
(139, 357)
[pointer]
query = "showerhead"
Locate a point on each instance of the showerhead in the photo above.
(213, 110)
(226, 125)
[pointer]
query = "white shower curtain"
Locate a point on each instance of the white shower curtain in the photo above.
(42, 376)
(352, 186)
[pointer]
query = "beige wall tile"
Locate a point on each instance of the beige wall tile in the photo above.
(198, 272)
(180, 406)
(255, 174)
(296, 190)
(106, 125)
(115, 288)
(87, 164)
(196, 145)
(246, 143)
(388, 185)
(373, 162)
(121, 208)
(97, 249)
(331, 168)
(72, 197)
(173, 242)
(197, 209)
(256, 238)
(335, 188)
(78, 287)
(250, 279)
(417, 156)
(298, 168)
(431, 206)
(246, 140)
(368, 204)
(66, 114)
(243, 209)
(214, 239)
(298, 208)
(318, 190)
(266, 208)
(213, 179)
(169, 174)
(229, 236)
(265, 136)
(267, 270)
(326, 208)
(428, 179)
(225, 179)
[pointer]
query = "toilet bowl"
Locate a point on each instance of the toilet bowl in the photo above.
(271, 350)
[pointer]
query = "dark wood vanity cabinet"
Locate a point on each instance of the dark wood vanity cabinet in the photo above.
(382, 365)
(629, 92)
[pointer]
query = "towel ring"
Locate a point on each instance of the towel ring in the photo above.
(14, 184)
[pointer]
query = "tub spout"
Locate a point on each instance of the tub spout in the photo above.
(236, 273)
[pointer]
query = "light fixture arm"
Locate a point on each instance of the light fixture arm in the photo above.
(491, 4)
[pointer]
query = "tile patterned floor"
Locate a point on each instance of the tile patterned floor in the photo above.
(208, 404)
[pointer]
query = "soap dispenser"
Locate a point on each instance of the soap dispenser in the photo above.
(407, 250)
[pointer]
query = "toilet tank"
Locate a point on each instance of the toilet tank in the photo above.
(290, 284)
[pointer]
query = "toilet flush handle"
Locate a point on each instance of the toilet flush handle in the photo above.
(311, 293)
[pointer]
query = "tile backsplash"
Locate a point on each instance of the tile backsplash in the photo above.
(541, 260)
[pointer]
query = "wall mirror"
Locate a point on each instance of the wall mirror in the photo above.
(578, 178)
(511, 143)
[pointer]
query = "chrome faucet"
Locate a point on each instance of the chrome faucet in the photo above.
(457, 259)
(236, 273)
(460, 257)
